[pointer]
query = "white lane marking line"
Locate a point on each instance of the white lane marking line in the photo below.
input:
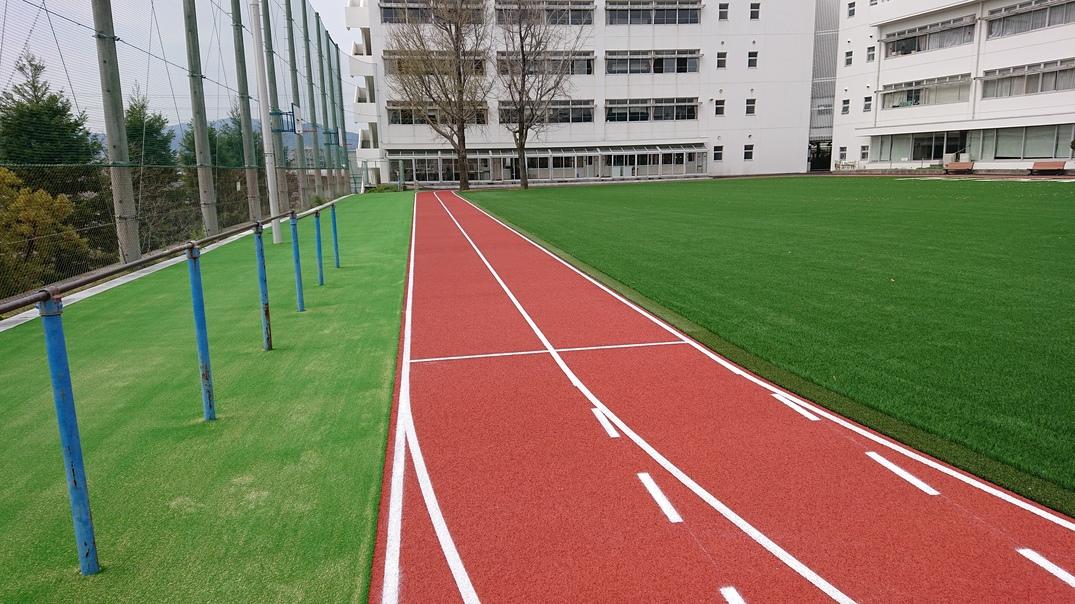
(543, 351)
(731, 596)
(1049, 567)
(897, 447)
(658, 496)
(795, 407)
(407, 436)
(722, 509)
(904, 474)
(607, 425)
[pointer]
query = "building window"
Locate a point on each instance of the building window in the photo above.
(850, 9)
(718, 152)
(935, 91)
(843, 154)
(564, 111)
(557, 12)
(849, 58)
(845, 107)
(755, 11)
(400, 112)
(752, 106)
(722, 11)
(945, 34)
(660, 12)
(578, 63)
(752, 58)
(1052, 76)
(864, 152)
(871, 54)
(1009, 20)
(748, 152)
(719, 106)
(651, 61)
(867, 104)
(644, 110)
(722, 59)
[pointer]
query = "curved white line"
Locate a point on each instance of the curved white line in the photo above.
(897, 447)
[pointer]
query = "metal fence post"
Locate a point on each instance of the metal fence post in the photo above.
(263, 287)
(298, 265)
(64, 398)
(320, 256)
(200, 332)
(335, 237)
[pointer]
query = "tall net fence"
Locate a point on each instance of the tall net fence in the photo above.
(57, 214)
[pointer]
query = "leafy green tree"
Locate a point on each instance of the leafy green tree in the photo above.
(165, 214)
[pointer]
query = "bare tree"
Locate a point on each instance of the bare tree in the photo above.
(533, 69)
(436, 55)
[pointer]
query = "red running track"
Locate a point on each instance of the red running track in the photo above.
(552, 442)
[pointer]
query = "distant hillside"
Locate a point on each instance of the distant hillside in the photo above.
(289, 137)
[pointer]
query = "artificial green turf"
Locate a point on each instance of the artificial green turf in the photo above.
(275, 501)
(948, 307)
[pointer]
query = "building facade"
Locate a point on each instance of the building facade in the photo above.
(682, 88)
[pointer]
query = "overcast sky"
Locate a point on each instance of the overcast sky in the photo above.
(152, 51)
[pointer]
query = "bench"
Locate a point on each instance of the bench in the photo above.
(959, 167)
(1047, 167)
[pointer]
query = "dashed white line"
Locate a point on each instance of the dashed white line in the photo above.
(904, 474)
(795, 407)
(731, 596)
(1049, 567)
(658, 496)
(607, 425)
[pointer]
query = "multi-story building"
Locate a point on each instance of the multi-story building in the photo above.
(681, 88)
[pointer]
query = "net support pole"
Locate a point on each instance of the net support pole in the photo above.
(330, 47)
(70, 442)
(116, 133)
(203, 157)
(263, 287)
(325, 117)
(320, 255)
(348, 180)
(300, 147)
(335, 237)
(268, 144)
(250, 155)
(319, 186)
(274, 106)
(299, 301)
(201, 333)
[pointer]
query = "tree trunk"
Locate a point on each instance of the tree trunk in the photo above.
(461, 153)
(524, 179)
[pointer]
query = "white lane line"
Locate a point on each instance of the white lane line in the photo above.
(607, 425)
(543, 351)
(721, 508)
(1049, 567)
(658, 496)
(731, 596)
(795, 407)
(406, 436)
(825, 413)
(904, 474)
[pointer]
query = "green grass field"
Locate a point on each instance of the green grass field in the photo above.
(275, 502)
(942, 313)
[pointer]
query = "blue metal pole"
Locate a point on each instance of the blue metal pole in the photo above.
(298, 265)
(320, 256)
(200, 332)
(335, 237)
(263, 286)
(64, 398)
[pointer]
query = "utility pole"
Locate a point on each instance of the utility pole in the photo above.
(319, 187)
(274, 107)
(343, 126)
(300, 148)
(202, 155)
(324, 104)
(250, 163)
(116, 132)
(268, 142)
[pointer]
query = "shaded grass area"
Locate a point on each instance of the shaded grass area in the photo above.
(941, 313)
(275, 501)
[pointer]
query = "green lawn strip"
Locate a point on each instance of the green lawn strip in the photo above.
(275, 501)
(939, 313)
